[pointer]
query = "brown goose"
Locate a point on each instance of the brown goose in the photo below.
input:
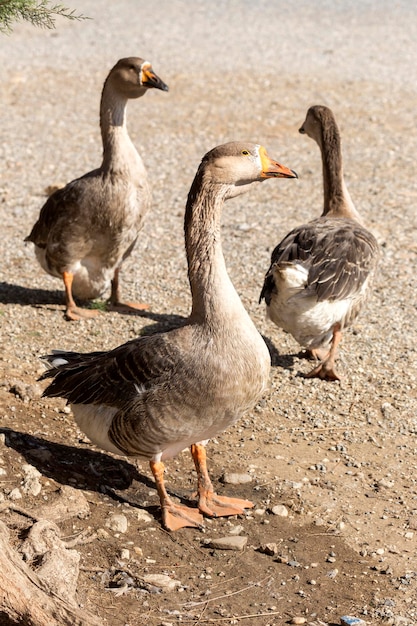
(87, 229)
(156, 395)
(320, 273)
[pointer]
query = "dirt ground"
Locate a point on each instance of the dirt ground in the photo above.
(340, 458)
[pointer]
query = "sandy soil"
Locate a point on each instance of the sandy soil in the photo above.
(340, 457)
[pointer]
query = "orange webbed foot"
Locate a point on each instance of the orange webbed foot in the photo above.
(76, 313)
(214, 505)
(128, 307)
(176, 516)
(325, 370)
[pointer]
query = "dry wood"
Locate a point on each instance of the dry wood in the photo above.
(24, 599)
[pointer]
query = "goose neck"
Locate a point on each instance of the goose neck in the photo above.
(117, 145)
(337, 200)
(213, 294)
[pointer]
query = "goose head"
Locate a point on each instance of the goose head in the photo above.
(318, 117)
(238, 164)
(133, 76)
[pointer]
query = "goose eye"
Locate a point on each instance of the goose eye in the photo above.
(245, 152)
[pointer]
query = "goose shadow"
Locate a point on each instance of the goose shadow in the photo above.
(16, 294)
(86, 469)
(283, 361)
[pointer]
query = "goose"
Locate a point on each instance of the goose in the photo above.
(157, 395)
(321, 272)
(89, 227)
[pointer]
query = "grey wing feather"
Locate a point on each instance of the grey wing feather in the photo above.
(112, 378)
(339, 254)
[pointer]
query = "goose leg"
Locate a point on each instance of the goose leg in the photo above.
(317, 354)
(327, 369)
(209, 502)
(72, 311)
(115, 301)
(174, 516)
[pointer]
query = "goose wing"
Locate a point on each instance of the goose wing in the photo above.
(62, 211)
(114, 378)
(338, 255)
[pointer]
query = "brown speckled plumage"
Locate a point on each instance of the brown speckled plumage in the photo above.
(86, 229)
(154, 396)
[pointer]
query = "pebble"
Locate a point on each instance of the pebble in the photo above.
(31, 484)
(163, 581)
(271, 549)
(227, 543)
(117, 522)
(15, 494)
(348, 620)
(280, 509)
(282, 559)
(235, 478)
(143, 516)
(236, 530)
(259, 512)
(298, 620)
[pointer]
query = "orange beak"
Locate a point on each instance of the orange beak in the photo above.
(273, 169)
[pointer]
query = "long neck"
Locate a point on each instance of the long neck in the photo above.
(337, 200)
(119, 153)
(212, 291)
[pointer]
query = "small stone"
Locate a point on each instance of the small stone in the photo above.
(282, 559)
(143, 516)
(31, 484)
(117, 523)
(235, 478)
(102, 534)
(348, 620)
(380, 551)
(124, 554)
(298, 620)
(236, 530)
(228, 543)
(385, 482)
(331, 559)
(15, 494)
(333, 573)
(162, 580)
(259, 512)
(280, 509)
(271, 549)
(138, 551)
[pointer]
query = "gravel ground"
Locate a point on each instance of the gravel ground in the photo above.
(340, 457)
